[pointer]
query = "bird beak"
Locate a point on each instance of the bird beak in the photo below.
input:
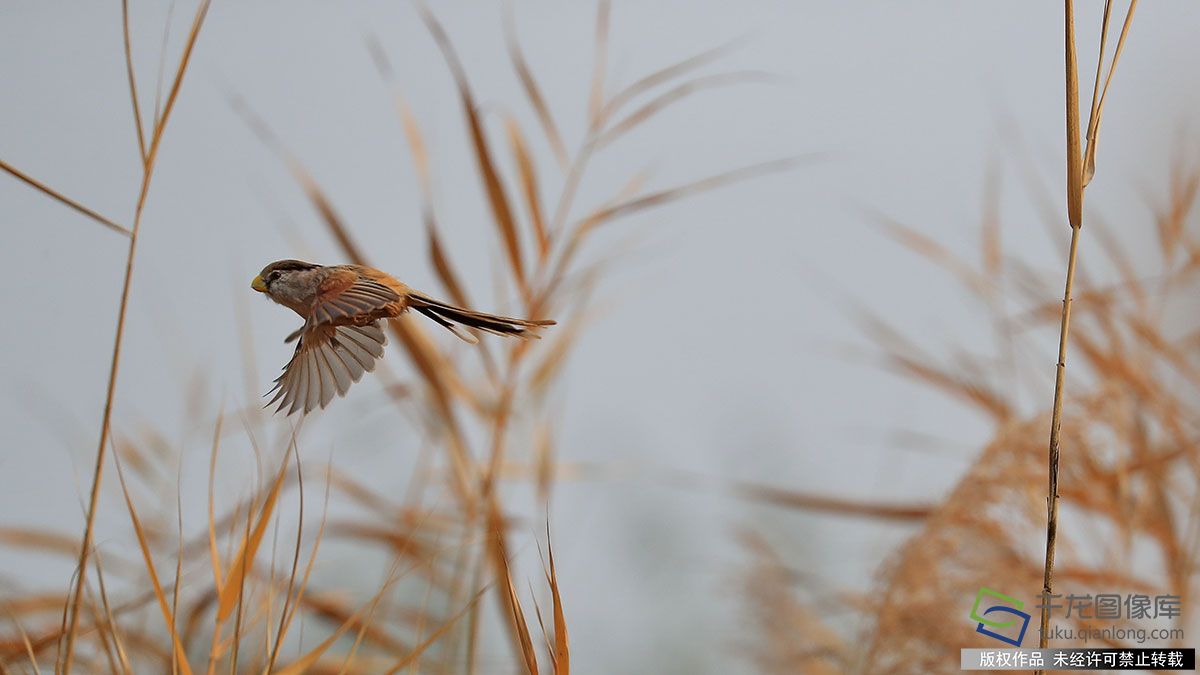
(258, 285)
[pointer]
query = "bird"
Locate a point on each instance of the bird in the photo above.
(342, 336)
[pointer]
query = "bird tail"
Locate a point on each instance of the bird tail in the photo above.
(454, 318)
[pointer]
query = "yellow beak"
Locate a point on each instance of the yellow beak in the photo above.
(258, 285)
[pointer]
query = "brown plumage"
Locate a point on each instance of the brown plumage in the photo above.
(341, 338)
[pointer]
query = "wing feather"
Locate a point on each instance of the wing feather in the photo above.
(337, 364)
(371, 341)
(358, 359)
(347, 302)
(327, 361)
(312, 387)
(300, 394)
(328, 378)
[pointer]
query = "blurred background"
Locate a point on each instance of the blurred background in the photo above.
(724, 351)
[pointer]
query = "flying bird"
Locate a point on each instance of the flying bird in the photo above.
(342, 307)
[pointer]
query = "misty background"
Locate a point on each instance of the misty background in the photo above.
(726, 346)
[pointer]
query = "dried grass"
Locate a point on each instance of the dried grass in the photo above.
(1129, 481)
(1130, 423)
(229, 605)
(1128, 475)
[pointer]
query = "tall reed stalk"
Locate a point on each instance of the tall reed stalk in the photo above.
(1079, 175)
(149, 157)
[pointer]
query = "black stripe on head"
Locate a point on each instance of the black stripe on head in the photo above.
(282, 267)
(287, 266)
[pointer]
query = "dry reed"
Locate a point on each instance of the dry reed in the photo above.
(1076, 182)
(230, 606)
(1130, 482)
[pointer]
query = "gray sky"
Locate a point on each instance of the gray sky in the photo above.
(719, 350)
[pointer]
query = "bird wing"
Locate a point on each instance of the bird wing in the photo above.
(328, 359)
(347, 297)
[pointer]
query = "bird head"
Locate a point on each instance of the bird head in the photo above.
(292, 283)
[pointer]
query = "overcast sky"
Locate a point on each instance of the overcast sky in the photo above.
(722, 350)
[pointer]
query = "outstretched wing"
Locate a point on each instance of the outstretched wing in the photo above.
(347, 297)
(328, 359)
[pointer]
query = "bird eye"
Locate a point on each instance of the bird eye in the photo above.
(272, 276)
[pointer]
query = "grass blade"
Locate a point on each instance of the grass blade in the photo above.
(287, 617)
(231, 593)
(675, 95)
(516, 623)
(1098, 104)
(118, 338)
(61, 198)
(703, 185)
(302, 664)
(27, 644)
(180, 657)
(600, 64)
(1074, 160)
(118, 643)
(529, 187)
(213, 552)
(501, 210)
(793, 499)
(532, 91)
(133, 97)
(562, 649)
(434, 636)
(661, 76)
(1075, 218)
(420, 157)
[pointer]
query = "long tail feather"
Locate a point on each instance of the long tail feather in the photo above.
(452, 318)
